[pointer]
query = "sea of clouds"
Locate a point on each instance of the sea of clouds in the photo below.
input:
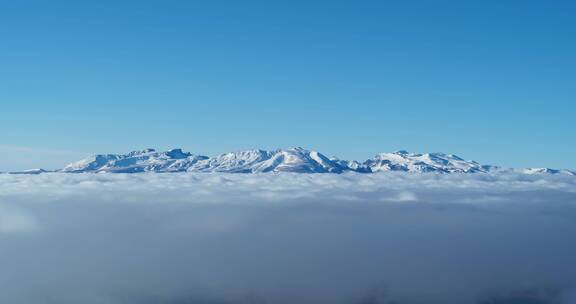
(287, 239)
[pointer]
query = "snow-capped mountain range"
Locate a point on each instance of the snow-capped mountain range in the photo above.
(296, 160)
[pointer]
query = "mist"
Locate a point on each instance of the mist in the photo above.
(287, 238)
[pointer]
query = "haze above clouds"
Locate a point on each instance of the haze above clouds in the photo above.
(287, 238)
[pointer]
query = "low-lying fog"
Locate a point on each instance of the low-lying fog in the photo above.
(287, 239)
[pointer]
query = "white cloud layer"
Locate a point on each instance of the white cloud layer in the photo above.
(287, 238)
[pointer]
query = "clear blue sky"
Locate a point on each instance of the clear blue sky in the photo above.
(493, 81)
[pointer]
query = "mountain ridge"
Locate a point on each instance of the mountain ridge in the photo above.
(296, 160)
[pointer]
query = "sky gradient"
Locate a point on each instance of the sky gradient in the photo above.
(492, 81)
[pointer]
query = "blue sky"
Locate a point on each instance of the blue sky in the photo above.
(487, 80)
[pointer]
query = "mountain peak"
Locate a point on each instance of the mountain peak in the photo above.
(177, 153)
(142, 152)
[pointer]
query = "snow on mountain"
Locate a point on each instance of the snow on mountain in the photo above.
(234, 162)
(147, 160)
(252, 161)
(297, 160)
(429, 162)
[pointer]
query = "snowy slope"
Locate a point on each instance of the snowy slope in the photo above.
(429, 162)
(138, 161)
(252, 161)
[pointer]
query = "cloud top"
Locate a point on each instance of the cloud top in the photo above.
(287, 238)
